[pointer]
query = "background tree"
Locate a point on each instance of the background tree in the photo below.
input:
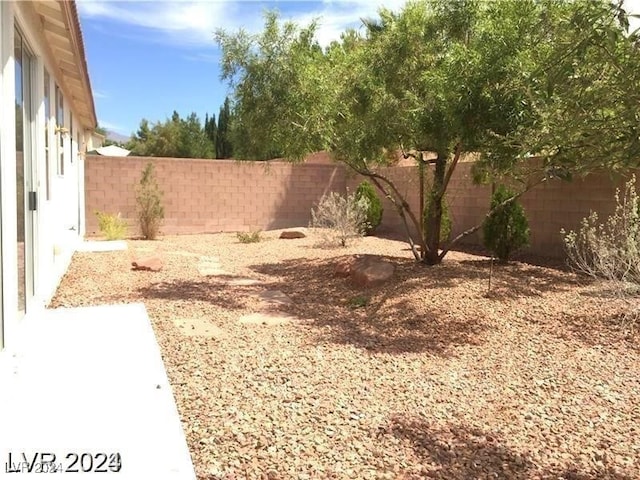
(501, 80)
(175, 137)
(224, 148)
(211, 131)
(270, 74)
(193, 139)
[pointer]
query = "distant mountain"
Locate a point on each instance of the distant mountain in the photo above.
(117, 137)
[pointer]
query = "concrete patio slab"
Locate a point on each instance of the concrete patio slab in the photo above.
(211, 267)
(102, 246)
(91, 381)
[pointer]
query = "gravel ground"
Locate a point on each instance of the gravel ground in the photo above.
(432, 378)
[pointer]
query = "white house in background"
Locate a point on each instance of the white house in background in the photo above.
(47, 118)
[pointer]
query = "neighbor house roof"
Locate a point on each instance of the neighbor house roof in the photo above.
(112, 151)
(61, 26)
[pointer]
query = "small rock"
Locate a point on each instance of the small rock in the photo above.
(151, 264)
(291, 234)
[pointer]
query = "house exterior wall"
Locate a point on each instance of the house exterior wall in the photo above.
(225, 195)
(56, 228)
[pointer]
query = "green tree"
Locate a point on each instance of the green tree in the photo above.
(224, 145)
(194, 142)
(374, 205)
(176, 137)
(507, 229)
(211, 130)
(500, 80)
(140, 142)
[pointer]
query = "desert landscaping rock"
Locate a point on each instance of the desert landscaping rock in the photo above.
(274, 297)
(292, 234)
(210, 271)
(198, 327)
(210, 267)
(269, 319)
(343, 266)
(152, 264)
(365, 270)
(428, 378)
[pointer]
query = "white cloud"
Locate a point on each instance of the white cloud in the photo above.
(182, 22)
(112, 127)
(194, 22)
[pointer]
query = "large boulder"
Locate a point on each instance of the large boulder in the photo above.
(344, 266)
(365, 270)
(151, 264)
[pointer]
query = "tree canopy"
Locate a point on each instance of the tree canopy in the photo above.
(185, 137)
(502, 80)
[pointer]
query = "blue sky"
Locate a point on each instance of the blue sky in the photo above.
(148, 58)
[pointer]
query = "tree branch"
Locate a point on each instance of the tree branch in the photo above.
(400, 203)
(451, 168)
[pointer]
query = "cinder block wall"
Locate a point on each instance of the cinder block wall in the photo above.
(225, 195)
(550, 207)
(211, 195)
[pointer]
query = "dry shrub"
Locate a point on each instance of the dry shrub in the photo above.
(340, 218)
(249, 237)
(611, 250)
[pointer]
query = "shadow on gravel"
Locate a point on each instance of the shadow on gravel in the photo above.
(387, 323)
(555, 263)
(601, 329)
(514, 279)
(461, 452)
(189, 291)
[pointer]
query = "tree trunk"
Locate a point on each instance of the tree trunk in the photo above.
(421, 168)
(434, 213)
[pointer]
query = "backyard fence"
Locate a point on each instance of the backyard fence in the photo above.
(202, 196)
